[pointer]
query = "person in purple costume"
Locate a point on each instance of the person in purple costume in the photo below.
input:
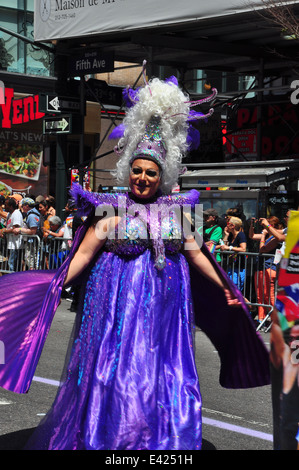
(131, 381)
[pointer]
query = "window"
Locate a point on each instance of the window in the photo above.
(16, 55)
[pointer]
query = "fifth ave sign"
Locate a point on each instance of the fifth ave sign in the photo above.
(91, 62)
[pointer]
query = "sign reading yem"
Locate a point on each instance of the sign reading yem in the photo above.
(18, 111)
(91, 62)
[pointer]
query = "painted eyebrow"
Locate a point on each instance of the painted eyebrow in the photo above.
(147, 169)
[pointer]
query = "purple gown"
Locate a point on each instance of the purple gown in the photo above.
(131, 382)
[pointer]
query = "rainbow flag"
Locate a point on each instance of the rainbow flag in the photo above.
(287, 301)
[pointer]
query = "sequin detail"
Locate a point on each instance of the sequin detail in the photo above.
(135, 235)
(155, 226)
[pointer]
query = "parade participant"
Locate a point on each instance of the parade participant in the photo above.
(131, 382)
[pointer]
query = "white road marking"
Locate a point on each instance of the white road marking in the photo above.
(237, 418)
(5, 402)
(238, 429)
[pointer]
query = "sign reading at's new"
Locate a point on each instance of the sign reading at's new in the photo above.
(91, 62)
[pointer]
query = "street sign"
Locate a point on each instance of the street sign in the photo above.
(57, 125)
(63, 124)
(89, 62)
(53, 104)
(56, 104)
(99, 90)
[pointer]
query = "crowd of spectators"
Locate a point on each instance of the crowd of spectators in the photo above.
(28, 222)
(32, 235)
(231, 235)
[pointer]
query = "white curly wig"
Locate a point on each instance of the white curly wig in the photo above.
(167, 101)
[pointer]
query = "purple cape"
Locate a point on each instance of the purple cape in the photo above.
(29, 301)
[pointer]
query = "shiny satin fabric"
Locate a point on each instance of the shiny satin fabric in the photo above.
(21, 299)
(132, 382)
(28, 302)
(243, 354)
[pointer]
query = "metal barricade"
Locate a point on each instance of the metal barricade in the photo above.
(255, 276)
(31, 252)
(24, 258)
(34, 253)
(4, 256)
(54, 252)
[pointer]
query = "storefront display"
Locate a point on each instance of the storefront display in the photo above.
(21, 146)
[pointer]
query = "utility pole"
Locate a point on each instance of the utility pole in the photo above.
(82, 116)
(259, 128)
(61, 140)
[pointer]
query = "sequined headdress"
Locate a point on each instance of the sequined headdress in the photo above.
(158, 126)
(151, 145)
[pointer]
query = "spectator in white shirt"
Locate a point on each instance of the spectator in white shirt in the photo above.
(14, 241)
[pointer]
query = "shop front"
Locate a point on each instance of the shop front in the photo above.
(21, 145)
(32, 161)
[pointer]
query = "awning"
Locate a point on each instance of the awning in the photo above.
(77, 18)
(236, 178)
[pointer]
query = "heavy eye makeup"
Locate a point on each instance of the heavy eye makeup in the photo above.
(150, 173)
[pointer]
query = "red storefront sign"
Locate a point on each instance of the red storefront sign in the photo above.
(19, 111)
(21, 145)
(242, 141)
(279, 127)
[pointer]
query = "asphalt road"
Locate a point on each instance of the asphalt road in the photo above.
(232, 419)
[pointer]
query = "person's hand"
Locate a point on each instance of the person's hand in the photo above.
(1, 234)
(263, 221)
(231, 300)
(223, 247)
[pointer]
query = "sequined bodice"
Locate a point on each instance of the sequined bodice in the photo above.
(133, 236)
(136, 231)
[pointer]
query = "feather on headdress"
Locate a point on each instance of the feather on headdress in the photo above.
(164, 107)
